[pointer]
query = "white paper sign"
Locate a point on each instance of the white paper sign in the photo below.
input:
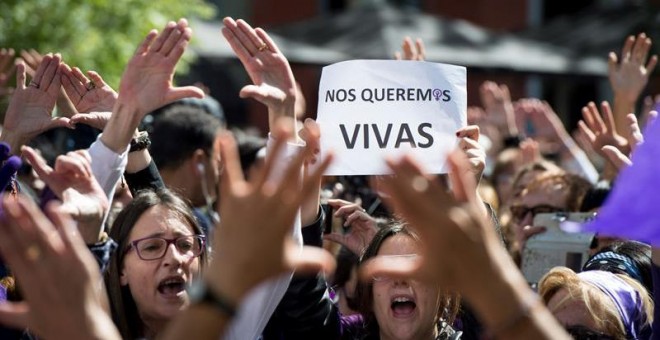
(370, 109)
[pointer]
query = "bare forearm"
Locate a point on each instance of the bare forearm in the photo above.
(286, 110)
(121, 127)
(622, 107)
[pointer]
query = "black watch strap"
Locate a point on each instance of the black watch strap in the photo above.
(140, 142)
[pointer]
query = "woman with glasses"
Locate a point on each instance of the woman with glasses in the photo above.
(161, 250)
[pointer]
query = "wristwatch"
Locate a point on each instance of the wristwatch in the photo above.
(140, 142)
(199, 293)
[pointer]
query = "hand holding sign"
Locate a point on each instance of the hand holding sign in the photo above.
(390, 108)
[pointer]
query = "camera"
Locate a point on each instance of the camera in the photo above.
(556, 247)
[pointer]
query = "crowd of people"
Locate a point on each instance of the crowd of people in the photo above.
(171, 224)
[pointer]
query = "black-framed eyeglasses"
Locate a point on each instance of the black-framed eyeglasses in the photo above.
(154, 248)
(518, 212)
(584, 333)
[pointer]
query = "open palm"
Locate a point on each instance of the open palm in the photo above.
(29, 112)
(97, 98)
(148, 79)
(274, 84)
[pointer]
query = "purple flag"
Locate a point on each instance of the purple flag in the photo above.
(632, 209)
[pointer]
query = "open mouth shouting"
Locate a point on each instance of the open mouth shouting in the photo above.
(172, 287)
(403, 306)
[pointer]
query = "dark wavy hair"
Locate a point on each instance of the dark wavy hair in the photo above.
(123, 307)
(449, 302)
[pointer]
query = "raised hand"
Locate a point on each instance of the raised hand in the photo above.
(540, 121)
(32, 60)
(629, 75)
(600, 129)
(7, 68)
(147, 82)
(469, 143)
(256, 219)
(411, 51)
(496, 100)
(273, 81)
(29, 111)
(39, 251)
(87, 94)
(614, 155)
(74, 184)
(362, 227)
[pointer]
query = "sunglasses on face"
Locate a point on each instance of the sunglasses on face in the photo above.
(584, 333)
(519, 212)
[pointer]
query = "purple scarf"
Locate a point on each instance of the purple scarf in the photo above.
(627, 300)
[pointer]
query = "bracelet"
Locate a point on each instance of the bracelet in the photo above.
(140, 142)
(528, 306)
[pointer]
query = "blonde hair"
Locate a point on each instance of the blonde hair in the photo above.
(599, 305)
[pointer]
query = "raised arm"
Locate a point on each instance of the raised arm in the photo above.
(273, 82)
(496, 100)
(411, 51)
(629, 73)
(549, 129)
(147, 83)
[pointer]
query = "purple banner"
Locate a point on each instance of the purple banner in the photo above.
(632, 209)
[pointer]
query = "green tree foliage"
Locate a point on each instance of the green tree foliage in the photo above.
(99, 35)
